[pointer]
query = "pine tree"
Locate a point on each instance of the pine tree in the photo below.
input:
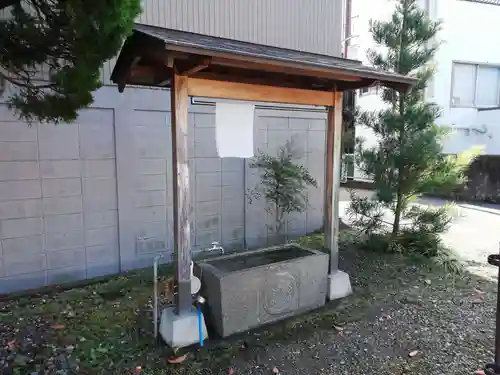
(408, 158)
(68, 39)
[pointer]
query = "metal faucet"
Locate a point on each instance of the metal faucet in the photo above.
(216, 246)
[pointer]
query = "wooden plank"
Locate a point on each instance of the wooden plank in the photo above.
(260, 63)
(264, 79)
(259, 93)
(123, 79)
(333, 155)
(181, 209)
(327, 212)
(197, 66)
(143, 71)
(284, 68)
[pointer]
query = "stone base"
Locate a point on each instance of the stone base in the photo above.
(246, 290)
(180, 331)
(339, 285)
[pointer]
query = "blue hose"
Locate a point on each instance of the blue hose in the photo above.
(200, 325)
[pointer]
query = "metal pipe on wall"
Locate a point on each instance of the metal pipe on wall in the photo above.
(347, 26)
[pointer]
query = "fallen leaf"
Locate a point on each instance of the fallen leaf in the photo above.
(11, 344)
(276, 370)
(176, 360)
(413, 353)
(230, 371)
(59, 326)
(478, 297)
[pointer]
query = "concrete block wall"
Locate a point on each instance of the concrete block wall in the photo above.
(58, 203)
(272, 130)
(94, 197)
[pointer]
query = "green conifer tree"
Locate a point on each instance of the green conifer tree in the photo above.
(69, 40)
(407, 159)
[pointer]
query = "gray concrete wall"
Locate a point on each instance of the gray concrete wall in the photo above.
(94, 197)
(306, 25)
(58, 201)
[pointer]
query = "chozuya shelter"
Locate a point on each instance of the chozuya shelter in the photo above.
(205, 66)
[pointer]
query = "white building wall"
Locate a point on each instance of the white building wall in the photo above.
(362, 12)
(469, 34)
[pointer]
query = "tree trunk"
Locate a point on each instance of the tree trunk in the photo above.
(277, 227)
(399, 194)
(397, 214)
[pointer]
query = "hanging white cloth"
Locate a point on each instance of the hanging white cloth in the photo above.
(234, 130)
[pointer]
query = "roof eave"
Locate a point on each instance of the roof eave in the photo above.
(141, 43)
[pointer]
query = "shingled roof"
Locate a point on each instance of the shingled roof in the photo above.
(150, 46)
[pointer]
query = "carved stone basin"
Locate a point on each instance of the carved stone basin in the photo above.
(249, 289)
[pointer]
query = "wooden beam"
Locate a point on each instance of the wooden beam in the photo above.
(181, 206)
(258, 93)
(142, 71)
(333, 166)
(123, 79)
(327, 212)
(230, 74)
(342, 86)
(263, 63)
(169, 61)
(197, 67)
(284, 67)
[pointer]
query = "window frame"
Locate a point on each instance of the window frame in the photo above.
(476, 66)
(370, 90)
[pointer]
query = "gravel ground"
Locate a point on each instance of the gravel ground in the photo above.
(405, 317)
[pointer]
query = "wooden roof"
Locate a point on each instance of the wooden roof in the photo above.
(149, 55)
(6, 3)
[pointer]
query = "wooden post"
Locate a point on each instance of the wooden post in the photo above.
(180, 174)
(333, 153)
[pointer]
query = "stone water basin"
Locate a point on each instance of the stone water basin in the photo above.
(249, 289)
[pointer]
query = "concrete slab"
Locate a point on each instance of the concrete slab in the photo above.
(180, 331)
(339, 285)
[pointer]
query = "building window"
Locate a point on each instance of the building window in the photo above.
(369, 90)
(475, 85)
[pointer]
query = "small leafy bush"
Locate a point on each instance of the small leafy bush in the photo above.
(283, 184)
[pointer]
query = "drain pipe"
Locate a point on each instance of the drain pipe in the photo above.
(245, 204)
(155, 295)
(347, 26)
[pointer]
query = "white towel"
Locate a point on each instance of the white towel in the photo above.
(234, 130)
